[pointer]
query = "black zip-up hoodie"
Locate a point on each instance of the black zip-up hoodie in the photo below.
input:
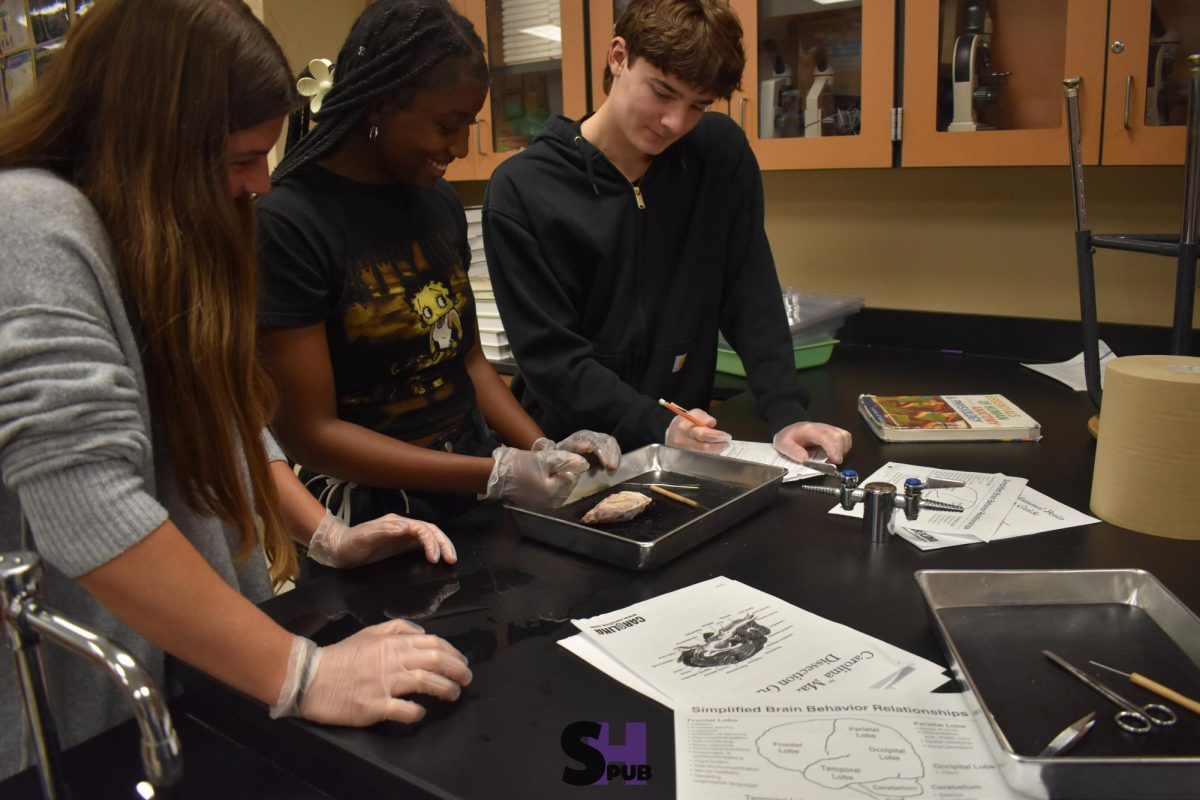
(612, 293)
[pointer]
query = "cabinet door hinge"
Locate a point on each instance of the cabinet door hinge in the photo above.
(897, 123)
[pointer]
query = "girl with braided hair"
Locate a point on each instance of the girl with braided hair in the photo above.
(132, 450)
(368, 318)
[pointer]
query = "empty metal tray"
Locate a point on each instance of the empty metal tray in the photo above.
(730, 490)
(994, 625)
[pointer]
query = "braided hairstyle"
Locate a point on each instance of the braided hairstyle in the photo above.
(392, 51)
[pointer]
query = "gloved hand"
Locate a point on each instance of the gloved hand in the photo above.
(601, 445)
(359, 680)
(335, 544)
(533, 479)
(683, 434)
(801, 440)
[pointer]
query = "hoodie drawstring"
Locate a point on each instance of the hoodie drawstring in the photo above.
(587, 163)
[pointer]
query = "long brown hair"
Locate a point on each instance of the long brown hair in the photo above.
(137, 113)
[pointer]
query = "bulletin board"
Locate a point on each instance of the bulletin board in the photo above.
(32, 34)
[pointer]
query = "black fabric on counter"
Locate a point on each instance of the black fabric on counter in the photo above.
(508, 601)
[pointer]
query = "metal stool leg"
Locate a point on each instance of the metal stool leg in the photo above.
(1083, 249)
(1185, 272)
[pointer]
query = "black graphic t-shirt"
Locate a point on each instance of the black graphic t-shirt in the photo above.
(385, 268)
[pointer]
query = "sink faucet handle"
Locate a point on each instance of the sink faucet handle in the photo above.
(27, 622)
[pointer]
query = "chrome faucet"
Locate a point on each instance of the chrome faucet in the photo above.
(26, 622)
(880, 498)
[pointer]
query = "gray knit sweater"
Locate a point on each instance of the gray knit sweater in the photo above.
(79, 453)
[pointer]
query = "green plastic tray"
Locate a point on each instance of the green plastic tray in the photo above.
(806, 355)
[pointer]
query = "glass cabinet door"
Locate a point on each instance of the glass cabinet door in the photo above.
(983, 80)
(536, 57)
(817, 91)
(1146, 102)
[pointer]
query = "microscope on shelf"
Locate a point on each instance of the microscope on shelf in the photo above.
(818, 103)
(975, 85)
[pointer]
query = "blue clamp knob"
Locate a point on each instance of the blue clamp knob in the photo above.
(912, 482)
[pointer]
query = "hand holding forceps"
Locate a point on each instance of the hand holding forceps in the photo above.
(1132, 718)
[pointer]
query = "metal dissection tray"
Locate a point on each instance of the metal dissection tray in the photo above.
(994, 625)
(730, 490)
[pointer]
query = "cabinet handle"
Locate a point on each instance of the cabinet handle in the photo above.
(742, 113)
(1128, 96)
(479, 137)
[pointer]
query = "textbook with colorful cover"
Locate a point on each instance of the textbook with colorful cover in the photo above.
(947, 418)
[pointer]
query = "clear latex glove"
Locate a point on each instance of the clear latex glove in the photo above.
(702, 438)
(801, 441)
(359, 681)
(336, 544)
(601, 445)
(534, 479)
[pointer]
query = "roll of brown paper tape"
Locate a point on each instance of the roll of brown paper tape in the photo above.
(1148, 451)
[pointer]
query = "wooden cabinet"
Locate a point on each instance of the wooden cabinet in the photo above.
(1145, 114)
(825, 86)
(536, 55)
(602, 14)
(1040, 42)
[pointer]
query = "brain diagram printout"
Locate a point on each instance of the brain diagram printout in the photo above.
(842, 745)
(846, 752)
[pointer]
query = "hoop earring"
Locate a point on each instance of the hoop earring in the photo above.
(372, 133)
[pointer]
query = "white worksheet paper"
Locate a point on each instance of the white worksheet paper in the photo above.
(924, 678)
(841, 744)
(986, 500)
(721, 635)
(1033, 512)
(1071, 372)
(765, 453)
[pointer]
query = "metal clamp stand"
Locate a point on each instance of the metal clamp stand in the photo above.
(880, 499)
(25, 621)
(1182, 247)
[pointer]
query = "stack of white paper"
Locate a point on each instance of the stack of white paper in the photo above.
(1071, 371)
(492, 337)
(723, 636)
(995, 506)
(765, 453)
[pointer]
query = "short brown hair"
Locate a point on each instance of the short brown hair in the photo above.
(697, 41)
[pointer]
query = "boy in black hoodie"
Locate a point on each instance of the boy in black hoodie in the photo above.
(620, 245)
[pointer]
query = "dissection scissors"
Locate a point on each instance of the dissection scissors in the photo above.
(1132, 718)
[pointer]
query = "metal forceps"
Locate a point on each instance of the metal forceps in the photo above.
(1132, 718)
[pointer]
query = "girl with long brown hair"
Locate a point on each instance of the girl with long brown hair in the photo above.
(132, 406)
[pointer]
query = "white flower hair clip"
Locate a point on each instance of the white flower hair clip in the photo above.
(319, 84)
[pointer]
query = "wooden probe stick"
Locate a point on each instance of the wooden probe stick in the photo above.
(687, 501)
(1154, 686)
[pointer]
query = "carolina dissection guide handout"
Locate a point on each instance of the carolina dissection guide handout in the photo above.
(721, 636)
